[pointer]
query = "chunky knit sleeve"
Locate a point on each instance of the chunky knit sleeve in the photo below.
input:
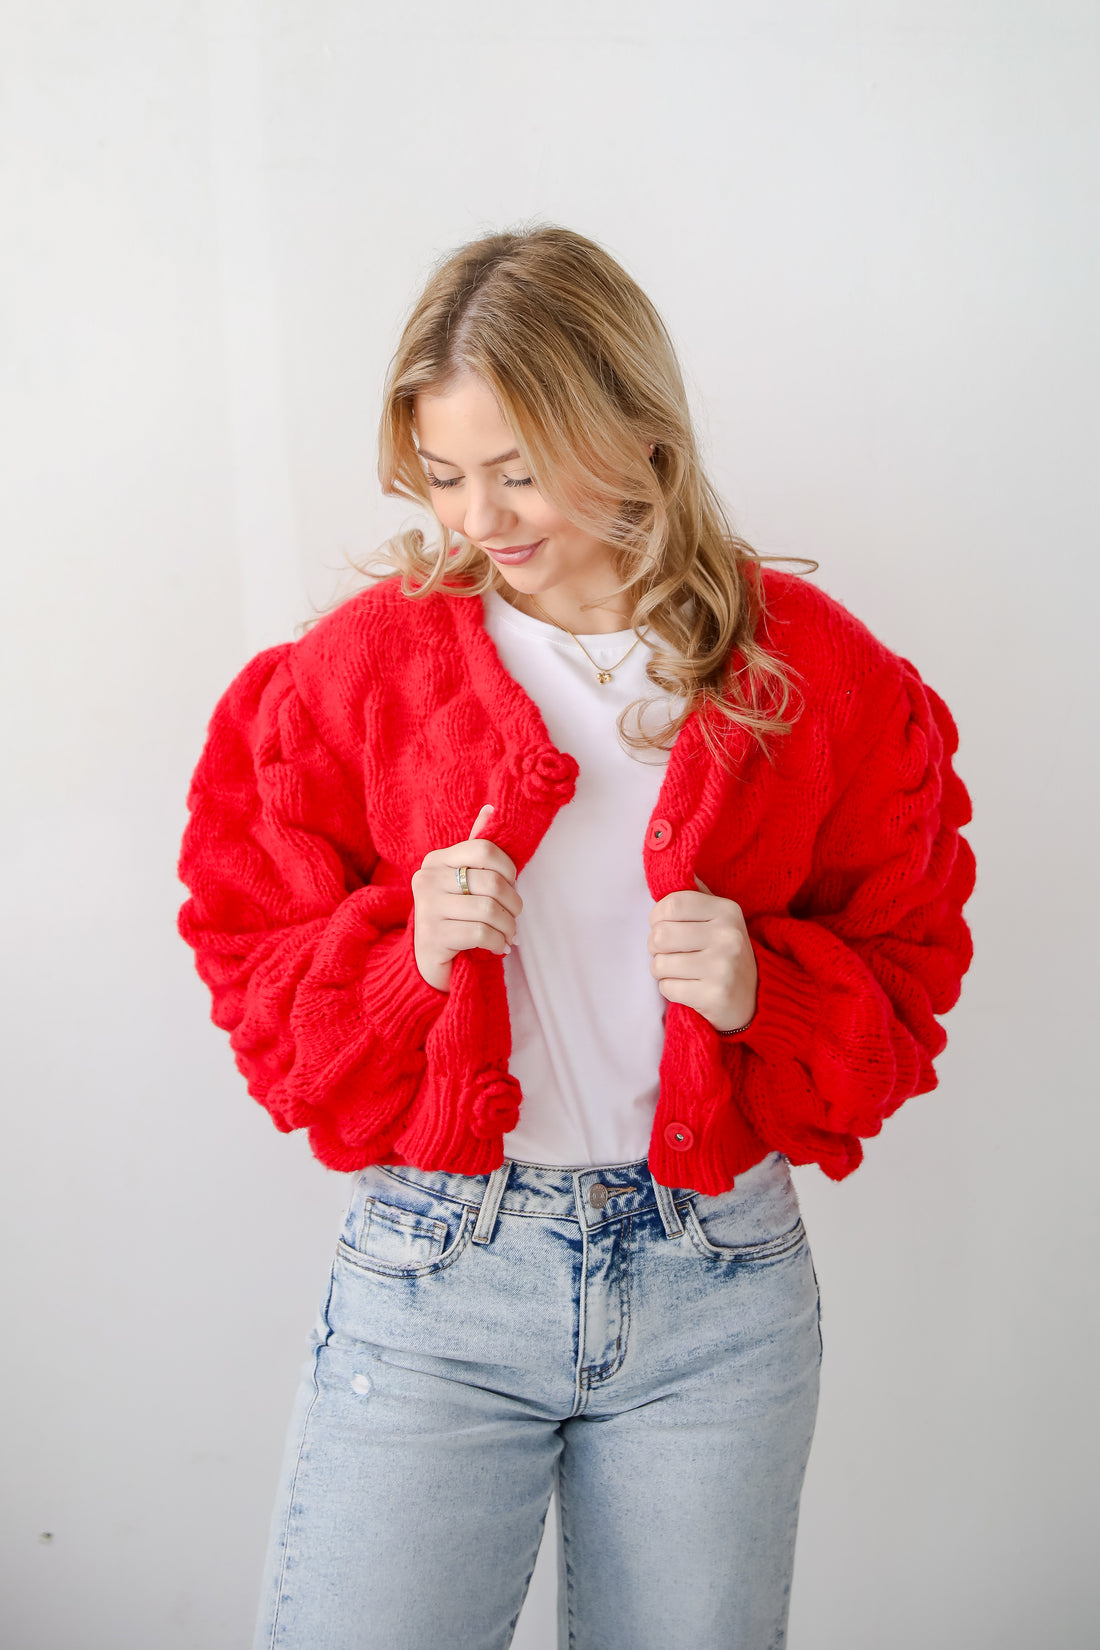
(309, 964)
(875, 947)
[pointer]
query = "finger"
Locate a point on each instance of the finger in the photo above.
(467, 934)
(678, 966)
(475, 907)
(488, 872)
(679, 936)
(685, 905)
(479, 851)
(702, 887)
(483, 853)
(678, 991)
(479, 822)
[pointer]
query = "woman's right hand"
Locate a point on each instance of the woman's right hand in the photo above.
(447, 921)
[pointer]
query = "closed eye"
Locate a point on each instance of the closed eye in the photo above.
(509, 481)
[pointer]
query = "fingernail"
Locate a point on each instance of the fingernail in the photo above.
(507, 950)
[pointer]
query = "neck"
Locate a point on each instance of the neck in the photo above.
(588, 616)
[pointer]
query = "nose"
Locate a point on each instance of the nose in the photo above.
(487, 514)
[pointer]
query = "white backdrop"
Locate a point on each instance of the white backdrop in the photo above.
(870, 227)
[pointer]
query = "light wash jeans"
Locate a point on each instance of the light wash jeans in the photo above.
(653, 1354)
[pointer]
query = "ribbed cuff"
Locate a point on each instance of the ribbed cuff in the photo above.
(397, 1000)
(788, 1003)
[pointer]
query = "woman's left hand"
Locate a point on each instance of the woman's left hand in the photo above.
(703, 957)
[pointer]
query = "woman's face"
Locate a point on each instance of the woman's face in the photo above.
(481, 490)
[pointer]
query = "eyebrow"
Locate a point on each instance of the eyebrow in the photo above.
(502, 458)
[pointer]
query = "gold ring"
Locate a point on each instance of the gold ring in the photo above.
(460, 873)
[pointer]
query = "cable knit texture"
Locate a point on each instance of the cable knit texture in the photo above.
(334, 763)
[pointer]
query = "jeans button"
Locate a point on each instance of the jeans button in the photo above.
(597, 1196)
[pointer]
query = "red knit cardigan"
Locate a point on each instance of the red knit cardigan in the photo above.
(334, 763)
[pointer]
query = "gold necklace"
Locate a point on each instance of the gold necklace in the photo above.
(602, 674)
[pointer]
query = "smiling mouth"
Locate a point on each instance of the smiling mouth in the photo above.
(515, 553)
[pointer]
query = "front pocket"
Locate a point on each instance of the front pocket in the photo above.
(397, 1237)
(745, 1254)
(397, 1242)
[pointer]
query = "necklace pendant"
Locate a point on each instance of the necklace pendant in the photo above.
(603, 676)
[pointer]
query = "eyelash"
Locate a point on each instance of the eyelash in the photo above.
(434, 481)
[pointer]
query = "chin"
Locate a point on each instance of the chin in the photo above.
(526, 579)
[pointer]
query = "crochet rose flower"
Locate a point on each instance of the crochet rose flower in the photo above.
(547, 775)
(495, 1105)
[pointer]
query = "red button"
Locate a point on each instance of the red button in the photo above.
(679, 1137)
(659, 834)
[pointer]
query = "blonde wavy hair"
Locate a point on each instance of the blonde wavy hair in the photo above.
(586, 377)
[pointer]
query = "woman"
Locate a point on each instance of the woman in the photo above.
(567, 884)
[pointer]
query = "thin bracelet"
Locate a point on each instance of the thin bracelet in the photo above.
(736, 1029)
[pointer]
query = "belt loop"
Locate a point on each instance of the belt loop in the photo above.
(666, 1204)
(490, 1204)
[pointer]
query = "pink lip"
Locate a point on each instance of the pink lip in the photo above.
(515, 553)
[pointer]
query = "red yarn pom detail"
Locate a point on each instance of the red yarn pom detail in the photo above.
(494, 1106)
(547, 775)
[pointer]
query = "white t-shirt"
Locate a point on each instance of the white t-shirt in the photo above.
(586, 1014)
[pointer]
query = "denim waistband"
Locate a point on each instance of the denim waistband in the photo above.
(592, 1194)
